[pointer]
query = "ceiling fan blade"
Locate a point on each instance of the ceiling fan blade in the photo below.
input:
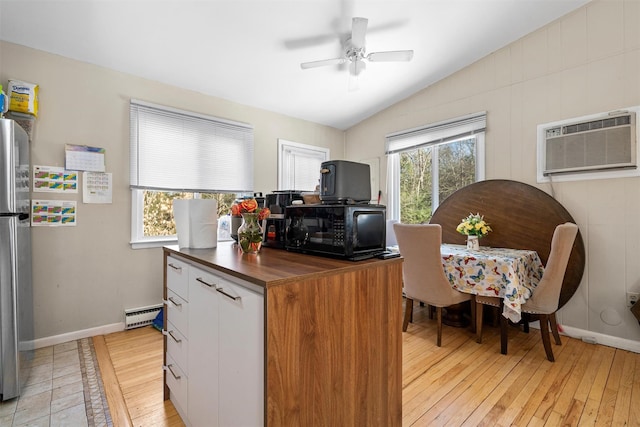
(305, 42)
(322, 63)
(358, 32)
(390, 56)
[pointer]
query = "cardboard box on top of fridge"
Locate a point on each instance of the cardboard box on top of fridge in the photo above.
(23, 97)
(196, 222)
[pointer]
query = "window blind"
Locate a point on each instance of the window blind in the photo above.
(436, 133)
(178, 150)
(299, 165)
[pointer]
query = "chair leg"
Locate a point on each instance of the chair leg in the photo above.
(430, 311)
(408, 313)
(439, 321)
(479, 310)
(473, 313)
(554, 328)
(525, 322)
(546, 340)
(504, 324)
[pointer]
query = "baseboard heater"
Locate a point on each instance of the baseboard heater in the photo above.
(142, 316)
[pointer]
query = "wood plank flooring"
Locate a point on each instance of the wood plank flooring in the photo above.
(462, 383)
(137, 360)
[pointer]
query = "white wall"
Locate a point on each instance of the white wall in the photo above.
(85, 276)
(584, 63)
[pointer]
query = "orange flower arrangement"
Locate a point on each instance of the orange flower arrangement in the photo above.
(249, 206)
(250, 232)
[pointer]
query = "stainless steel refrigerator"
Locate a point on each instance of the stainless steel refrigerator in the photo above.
(16, 302)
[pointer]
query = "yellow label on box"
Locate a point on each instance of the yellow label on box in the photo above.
(23, 97)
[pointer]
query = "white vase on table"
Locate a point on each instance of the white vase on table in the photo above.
(473, 243)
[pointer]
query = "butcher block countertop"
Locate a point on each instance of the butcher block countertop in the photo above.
(271, 267)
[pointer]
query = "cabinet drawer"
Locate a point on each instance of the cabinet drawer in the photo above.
(177, 346)
(178, 312)
(204, 279)
(178, 277)
(177, 382)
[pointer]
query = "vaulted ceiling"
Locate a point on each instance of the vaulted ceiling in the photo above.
(249, 51)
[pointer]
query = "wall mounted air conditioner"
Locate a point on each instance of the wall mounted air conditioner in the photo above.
(591, 144)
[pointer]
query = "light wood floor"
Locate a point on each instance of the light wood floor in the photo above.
(136, 357)
(461, 383)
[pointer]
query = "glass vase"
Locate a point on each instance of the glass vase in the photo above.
(236, 222)
(250, 234)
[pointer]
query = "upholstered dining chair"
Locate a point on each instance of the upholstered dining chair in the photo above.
(422, 271)
(545, 299)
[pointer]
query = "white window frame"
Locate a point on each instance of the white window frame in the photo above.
(287, 151)
(138, 239)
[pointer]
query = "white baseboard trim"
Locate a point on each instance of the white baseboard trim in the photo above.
(596, 338)
(76, 335)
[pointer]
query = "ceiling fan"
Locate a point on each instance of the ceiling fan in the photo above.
(355, 52)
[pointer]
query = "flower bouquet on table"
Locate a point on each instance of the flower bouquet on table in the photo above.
(474, 227)
(250, 231)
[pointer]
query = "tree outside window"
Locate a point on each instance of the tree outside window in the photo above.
(430, 174)
(158, 209)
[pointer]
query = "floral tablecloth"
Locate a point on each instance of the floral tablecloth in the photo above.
(512, 274)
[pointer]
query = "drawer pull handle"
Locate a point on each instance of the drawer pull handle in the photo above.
(233, 297)
(174, 337)
(177, 304)
(173, 373)
(201, 280)
(175, 267)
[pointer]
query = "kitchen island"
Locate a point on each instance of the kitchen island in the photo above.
(297, 339)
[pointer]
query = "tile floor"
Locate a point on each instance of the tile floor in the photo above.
(53, 393)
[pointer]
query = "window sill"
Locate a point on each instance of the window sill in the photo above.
(153, 243)
(159, 242)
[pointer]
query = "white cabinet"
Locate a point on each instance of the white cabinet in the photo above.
(241, 357)
(224, 332)
(203, 357)
(177, 332)
(178, 277)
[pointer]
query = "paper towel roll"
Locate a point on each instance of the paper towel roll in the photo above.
(196, 222)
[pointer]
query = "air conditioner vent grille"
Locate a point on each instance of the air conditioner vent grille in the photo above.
(605, 143)
(597, 124)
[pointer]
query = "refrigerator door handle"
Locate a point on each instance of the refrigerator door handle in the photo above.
(21, 215)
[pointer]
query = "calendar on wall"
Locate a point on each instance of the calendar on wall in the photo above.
(84, 158)
(97, 187)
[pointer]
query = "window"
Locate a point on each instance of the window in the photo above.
(153, 214)
(426, 165)
(299, 165)
(180, 154)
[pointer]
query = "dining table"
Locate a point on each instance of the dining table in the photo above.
(511, 274)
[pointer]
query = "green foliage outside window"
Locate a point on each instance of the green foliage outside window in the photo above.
(158, 209)
(456, 162)
(415, 186)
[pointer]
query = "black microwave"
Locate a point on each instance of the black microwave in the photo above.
(352, 232)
